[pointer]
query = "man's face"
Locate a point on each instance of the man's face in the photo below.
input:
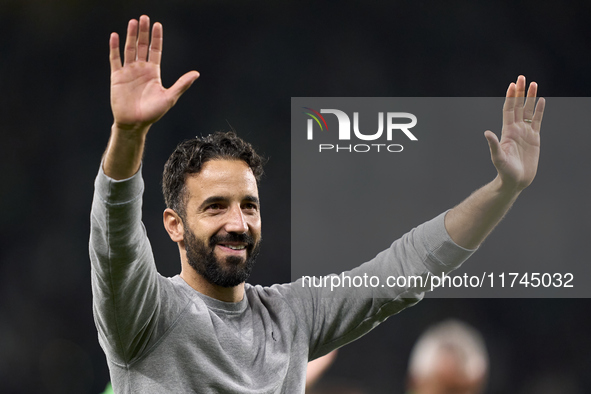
(222, 222)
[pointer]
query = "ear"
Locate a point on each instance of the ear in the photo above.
(173, 225)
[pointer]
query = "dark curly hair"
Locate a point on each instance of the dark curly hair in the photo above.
(189, 157)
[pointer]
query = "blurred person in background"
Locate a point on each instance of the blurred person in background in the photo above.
(318, 367)
(449, 358)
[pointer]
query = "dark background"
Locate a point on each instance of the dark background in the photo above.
(253, 57)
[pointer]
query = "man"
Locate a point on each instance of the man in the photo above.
(205, 330)
(449, 358)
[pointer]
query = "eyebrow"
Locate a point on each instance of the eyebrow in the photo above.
(214, 199)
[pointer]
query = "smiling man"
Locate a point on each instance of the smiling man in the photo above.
(206, 330)
(210, 187)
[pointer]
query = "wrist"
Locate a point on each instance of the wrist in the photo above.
(124, 152)
(510, 190)
(131, 131)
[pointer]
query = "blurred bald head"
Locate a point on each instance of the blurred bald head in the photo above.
(449, 358)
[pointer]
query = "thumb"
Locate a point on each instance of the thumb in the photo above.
(493, 144)
(182, 84)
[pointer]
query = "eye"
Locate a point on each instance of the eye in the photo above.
(214, 207)
(250, 206)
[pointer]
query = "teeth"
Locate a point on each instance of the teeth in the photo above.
(235, 247)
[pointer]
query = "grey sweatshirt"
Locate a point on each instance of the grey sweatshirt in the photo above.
(162, 336)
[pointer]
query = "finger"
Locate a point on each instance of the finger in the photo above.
(114, 55)
(528, 111)
(130, 41)
(520, 93)
(143, 40)
(493, 144)
(156, 46)
(538, 115)
(182, 84)
(509, 106)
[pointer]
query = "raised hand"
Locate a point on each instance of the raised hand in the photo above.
(138, 98)
(516, 155)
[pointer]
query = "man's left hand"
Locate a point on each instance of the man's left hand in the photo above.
(516, 155)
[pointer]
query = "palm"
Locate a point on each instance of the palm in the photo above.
(137, 95)
(521, 149)
(516, 155)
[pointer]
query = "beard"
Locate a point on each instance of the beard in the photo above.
(202, 258)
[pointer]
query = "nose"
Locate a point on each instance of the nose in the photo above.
(236, 222)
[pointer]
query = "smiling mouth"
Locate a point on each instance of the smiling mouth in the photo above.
(233, 247)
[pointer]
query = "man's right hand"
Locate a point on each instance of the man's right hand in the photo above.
(137, 95)
(138, 98)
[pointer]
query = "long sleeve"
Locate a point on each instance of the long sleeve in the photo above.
(124, 277)
(339, 315)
